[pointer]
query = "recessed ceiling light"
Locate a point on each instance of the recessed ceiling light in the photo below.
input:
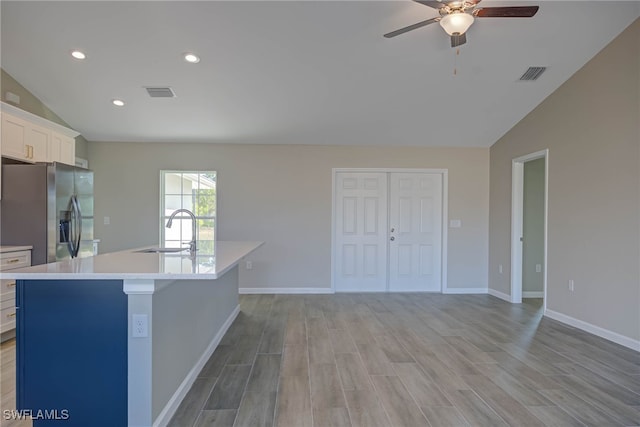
(78, 54)
(191, 57)
(118, 102)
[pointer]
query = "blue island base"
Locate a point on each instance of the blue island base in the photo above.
(71, 355)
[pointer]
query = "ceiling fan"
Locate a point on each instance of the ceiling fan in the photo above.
(456, 16)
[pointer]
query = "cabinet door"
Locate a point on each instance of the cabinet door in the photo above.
(54, 147)
(38, 139)
(14, 136)
(10, 261)
(62, 149)
(68, 150)
(7, 315)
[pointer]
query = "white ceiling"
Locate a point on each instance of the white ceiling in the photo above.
(296, 72)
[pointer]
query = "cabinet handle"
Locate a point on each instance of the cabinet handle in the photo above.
(11, 285)
(11, 315)
(13, 261)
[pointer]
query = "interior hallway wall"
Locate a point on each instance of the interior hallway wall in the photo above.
(590, 126)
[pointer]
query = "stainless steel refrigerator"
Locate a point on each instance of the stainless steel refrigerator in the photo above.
(48, 206)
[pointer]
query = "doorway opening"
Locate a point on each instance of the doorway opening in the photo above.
(529, 207)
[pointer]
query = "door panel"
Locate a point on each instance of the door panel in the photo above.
(388, 232)
(415, 215)
(361, 232)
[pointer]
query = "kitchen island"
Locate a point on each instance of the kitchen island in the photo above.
(118, 339)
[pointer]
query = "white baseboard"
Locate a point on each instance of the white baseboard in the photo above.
(500, 295)
(285, 291)
(465, 291)
(172, 405)
(532, 294)
(593, 329)
(330, 291)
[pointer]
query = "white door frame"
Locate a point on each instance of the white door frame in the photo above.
(445, 215)
(517, 214)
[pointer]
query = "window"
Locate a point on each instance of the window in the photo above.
(195, 191)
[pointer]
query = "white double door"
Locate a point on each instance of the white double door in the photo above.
(388, 232)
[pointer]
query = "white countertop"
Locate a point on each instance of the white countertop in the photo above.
(5, 249)
(130, 264)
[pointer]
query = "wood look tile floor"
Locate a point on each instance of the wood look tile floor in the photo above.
(394, 360)
(8, 385)
(409, 360)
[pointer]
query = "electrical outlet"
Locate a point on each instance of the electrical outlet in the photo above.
(570, 285)
(107, 220)
(249, 265)
(140, 326)
(538, 268)
(500, 269)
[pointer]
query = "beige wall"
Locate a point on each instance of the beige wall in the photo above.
(30, 103)
(591, 127)
(282, 194)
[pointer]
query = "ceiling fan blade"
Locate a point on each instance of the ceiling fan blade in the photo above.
(411, 27)
(432, 3)
(506, 12)
(458, 39)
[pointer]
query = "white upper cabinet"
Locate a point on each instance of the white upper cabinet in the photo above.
(31, 138)
(14, 138)
(38, 139)
(62, 149)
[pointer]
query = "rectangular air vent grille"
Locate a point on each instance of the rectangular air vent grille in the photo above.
(533, 73)
(160, 92)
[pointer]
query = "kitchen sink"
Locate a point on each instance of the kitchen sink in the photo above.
(161, 250)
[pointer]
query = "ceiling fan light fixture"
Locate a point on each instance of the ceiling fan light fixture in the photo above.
(456, 23)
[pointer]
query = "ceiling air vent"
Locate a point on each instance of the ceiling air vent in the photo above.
(160, 92)
(533, 73)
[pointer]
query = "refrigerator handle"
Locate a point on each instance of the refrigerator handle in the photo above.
(78, 219)
(68, 231)
(79, 213)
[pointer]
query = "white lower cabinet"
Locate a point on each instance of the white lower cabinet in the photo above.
(9, 260)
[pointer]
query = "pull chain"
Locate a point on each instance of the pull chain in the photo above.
(455, 62)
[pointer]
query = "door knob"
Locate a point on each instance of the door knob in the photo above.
(393, 229)
(393, 238)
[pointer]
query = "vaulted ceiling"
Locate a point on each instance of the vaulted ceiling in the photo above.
(296, 72)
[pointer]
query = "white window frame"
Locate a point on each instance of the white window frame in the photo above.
(162, 209)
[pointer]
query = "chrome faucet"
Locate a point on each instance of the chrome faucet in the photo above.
(192, 243)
